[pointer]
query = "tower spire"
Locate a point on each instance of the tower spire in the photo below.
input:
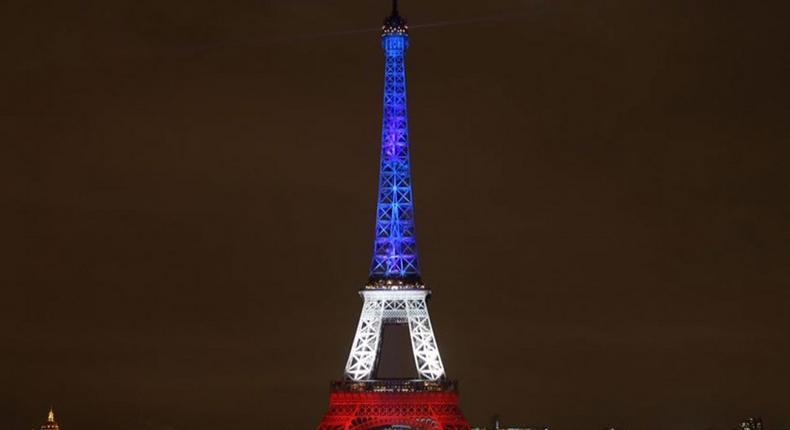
(395, 262)
(394, 23)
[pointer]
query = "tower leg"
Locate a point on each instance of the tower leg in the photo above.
(364, 350)
(423, 342)
(398, 307)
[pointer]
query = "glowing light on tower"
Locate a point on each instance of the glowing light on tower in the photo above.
(394, 293)
(395, 247)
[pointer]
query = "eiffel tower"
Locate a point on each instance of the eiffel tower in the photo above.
(394, 293)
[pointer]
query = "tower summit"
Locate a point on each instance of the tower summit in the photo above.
(394, 293)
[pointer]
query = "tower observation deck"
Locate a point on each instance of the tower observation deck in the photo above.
(394, 293)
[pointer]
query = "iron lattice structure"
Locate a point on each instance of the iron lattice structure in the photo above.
(395, 246)
(394, 293)
(394, 307)
(366, 411)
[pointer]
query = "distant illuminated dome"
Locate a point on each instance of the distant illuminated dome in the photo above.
(51, 424)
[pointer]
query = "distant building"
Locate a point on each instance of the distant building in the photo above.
(51, 424)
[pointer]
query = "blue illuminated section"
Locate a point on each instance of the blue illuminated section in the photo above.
(395, 263)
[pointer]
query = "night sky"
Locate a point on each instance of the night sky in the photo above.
(602, 205)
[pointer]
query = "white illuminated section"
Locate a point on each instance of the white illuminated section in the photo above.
(394, 307)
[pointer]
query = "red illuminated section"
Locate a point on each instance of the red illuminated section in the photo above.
(352, 408)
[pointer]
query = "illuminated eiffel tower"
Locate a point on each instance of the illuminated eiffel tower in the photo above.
(394, 293)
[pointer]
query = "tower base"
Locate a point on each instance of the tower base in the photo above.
(418, 405)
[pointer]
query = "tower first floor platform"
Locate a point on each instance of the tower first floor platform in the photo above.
(414, 404)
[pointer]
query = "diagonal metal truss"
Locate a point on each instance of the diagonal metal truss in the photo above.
(365, 348)
(423, 342)
(394, 307)
(395, 246)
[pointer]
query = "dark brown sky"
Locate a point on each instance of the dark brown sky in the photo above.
(188, 199)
